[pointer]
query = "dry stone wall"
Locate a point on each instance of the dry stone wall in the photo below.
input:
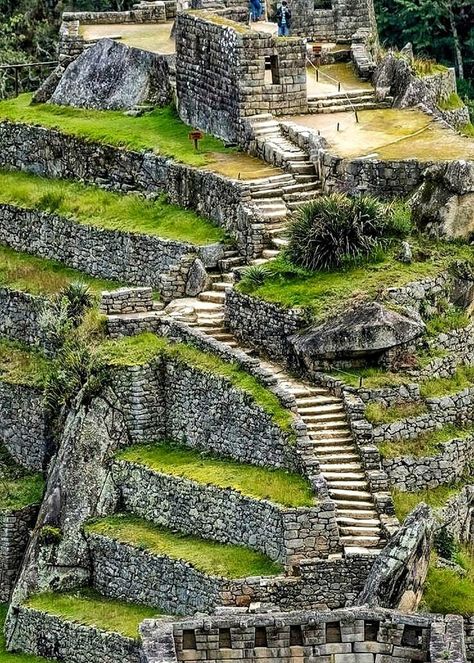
(25, 431)
(225, 515)
(155, 13)
(145, 260)
(50, 153)
(458, 514)
(15, 529)
(20, 314)
(220, 74)
(333, 21)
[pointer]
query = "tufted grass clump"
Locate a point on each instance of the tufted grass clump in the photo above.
(141, 349)
(331, 231)
(276, 485)
(427, 444)
(93, 206)
(378, 415)
(453, 318)
(8, 657)
(210, 557)
(89, 608)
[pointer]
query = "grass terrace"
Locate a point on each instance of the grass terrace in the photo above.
(91, 609)
(141, 349)
(210, 557)
(7, 657)
(427, 444)
(326, 293)
(435, 497)
(39, 276)
(262, 483)
(448, 321)
(463, 378)
(160, 131)
(378, 415)
(449, 592)
(113, 211)
(18, 487)
(22, 365)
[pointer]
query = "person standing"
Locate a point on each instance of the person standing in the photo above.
(283, 19)
(255, 9)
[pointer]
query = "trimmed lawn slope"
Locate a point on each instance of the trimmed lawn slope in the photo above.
(91, 609)
(210, 557)
(434, 497)
(278, 486)
(105, 209)
(427, 444)
(18, 487)
(448, 592)
(22, 365)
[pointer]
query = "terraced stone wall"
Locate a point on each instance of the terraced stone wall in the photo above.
(20, 317)
(220, 74)
(24, 432)
(333, 21)
(155, 13)
(447, 466)
(262, 324)
(15, 526)
(35, 632)
(225, 515)
(50, 153)
(169, 399)
(458, 514)
(347, 636)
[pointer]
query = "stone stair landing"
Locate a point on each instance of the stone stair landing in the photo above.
(339, 102)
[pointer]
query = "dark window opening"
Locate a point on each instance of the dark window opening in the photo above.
(371, 631)
(225, 640)
(296, 636)
(275, 69)
(322, 4)
(412, 636)
(333, 632)
(261, 636)
(189, 639)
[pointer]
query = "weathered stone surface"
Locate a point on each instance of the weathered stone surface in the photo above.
(364, 330)
(197, 279)
(444, 204)
(398, 574)
(112, 76)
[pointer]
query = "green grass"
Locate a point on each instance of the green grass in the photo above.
(427, 67)
(326, 293)
(6, 657)
(377, 414)
(161, 130)
(437, 387)
(21, 365)
(427, 444)
(114, 211)
(467, 129)
(447, 592)
(210, 557)
(434, 497)
(91, 609)
(40, 276)
(141, 349)
(18, 493)
(446, 322)
(275, 485)
(452, 102)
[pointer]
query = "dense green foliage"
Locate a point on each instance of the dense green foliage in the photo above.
(276, 485)
(210, 557)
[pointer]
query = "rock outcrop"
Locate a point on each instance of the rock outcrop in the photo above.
(444, 204)
(399, 572)
(112, 76)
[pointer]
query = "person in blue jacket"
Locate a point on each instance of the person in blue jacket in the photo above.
(283, 17)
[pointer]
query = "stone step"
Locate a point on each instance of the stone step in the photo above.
(267, 193)
(357, 514)
(302, 389)
(362, 551)
(302, 197)
(270, 253)
(212, 296)
(345, 494)
(344, 109)
(358, 521)
(328, 427)
(323, 409)
(336, 415)
(328, 468)
(341, 95)
(274, 213)
(302, 168)
(366, 541)
(348, 484)
(210, 331)
(221, 286)
(342, 455)
(341, 101)
(320, 439)
(301, 188)
(279, 242)
(361, 530)
(227, 264)
(266, 183)
(306, 179)
(315, 400)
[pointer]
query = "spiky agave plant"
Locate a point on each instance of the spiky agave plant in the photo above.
(335, 229)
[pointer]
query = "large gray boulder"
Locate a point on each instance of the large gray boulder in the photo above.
(367, 329)
(111, 76)
(443, 206)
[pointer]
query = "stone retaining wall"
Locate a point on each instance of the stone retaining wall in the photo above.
(334, 21)
(353, 635)
(15, 529)
(225, 515)
(20, 317)
(50, 153)
(261, 324)
(169, 399)
(458, 514)
(153, 14)
(141, 259)
(41, 634)
(24, 430)
(411, 474)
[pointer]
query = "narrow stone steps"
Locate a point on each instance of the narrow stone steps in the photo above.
(346, 495)
(348, 108)
(328, 468)
(341, 101)
(321, 409)
(359, 531)
(337, 415)
(348, 484)
(221, 286)
(341, 455)
(302, 168)
(346, 476)
(319, 438)
(357, 92)
(366, 541)
(269, 254)
(267, 193)
(328, 426)
(359, 515)
(316, 400)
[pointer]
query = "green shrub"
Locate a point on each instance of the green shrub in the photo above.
(335, 230)
(255, 275)
(444, 544)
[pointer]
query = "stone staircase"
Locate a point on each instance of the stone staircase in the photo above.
(330, 440)
(340, 102)
(279, 196)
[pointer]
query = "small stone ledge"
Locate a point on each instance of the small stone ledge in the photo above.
(282, 533)
(15, 526)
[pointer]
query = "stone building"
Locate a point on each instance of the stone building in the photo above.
(332, 20)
